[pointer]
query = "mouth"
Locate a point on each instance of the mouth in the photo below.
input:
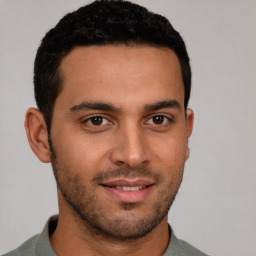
(128, 190)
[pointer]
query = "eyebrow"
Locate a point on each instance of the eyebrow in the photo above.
(163, 104)
(102, 106)
(85, 105)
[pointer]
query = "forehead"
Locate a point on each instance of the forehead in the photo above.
(117, 58)
(108, 73)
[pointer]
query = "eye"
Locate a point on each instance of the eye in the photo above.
(95, 121)
(159, 121)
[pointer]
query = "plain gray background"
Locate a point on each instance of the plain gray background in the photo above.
(216, 207)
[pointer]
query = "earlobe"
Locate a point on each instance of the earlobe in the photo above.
(187, 153)
(190, 121)
(37, 135)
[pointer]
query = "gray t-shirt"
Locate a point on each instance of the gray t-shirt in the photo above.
(39, 245)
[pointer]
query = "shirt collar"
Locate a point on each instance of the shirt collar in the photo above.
(43, 245)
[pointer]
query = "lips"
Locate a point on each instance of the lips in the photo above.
(125, 190)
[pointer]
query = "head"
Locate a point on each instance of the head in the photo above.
(101, 23)
(112, 84)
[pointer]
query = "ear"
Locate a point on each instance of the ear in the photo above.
(37, 135)
(189, 124)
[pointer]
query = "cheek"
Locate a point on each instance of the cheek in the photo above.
(80, 152)
(172, 144)
(170, 151)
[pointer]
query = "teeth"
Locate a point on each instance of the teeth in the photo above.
(130, 188)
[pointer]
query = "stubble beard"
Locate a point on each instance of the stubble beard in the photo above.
(128, 226)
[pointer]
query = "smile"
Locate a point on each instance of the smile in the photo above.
(129, 191)
(130, 188)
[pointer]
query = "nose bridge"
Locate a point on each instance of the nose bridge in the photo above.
(131, 147)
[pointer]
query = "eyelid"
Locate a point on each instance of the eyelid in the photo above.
(110, 121)
(103, 116)
(169, 118)
(167, 115)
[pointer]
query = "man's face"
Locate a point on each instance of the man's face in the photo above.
(119, 136)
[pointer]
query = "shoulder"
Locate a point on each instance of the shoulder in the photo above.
(179, 247)
(183, 248)
(38, 245)
(26, 249)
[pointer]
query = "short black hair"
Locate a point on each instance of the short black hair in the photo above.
(102, 22)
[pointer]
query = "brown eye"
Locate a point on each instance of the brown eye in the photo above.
(158, 120)
(96, 123)
(96, 120)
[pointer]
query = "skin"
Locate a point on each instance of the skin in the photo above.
(144, 135)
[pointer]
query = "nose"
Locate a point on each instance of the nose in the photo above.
(130, 149)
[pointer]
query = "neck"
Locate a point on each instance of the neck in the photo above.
(73, 237)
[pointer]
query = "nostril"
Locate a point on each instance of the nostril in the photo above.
(121, 163)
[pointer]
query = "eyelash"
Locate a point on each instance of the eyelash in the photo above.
(167, 121)
(87, 120)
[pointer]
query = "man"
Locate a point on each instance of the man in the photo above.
(112, 83)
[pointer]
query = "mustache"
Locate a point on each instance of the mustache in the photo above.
(124, 172)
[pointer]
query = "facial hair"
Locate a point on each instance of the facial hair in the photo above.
(82, 197)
